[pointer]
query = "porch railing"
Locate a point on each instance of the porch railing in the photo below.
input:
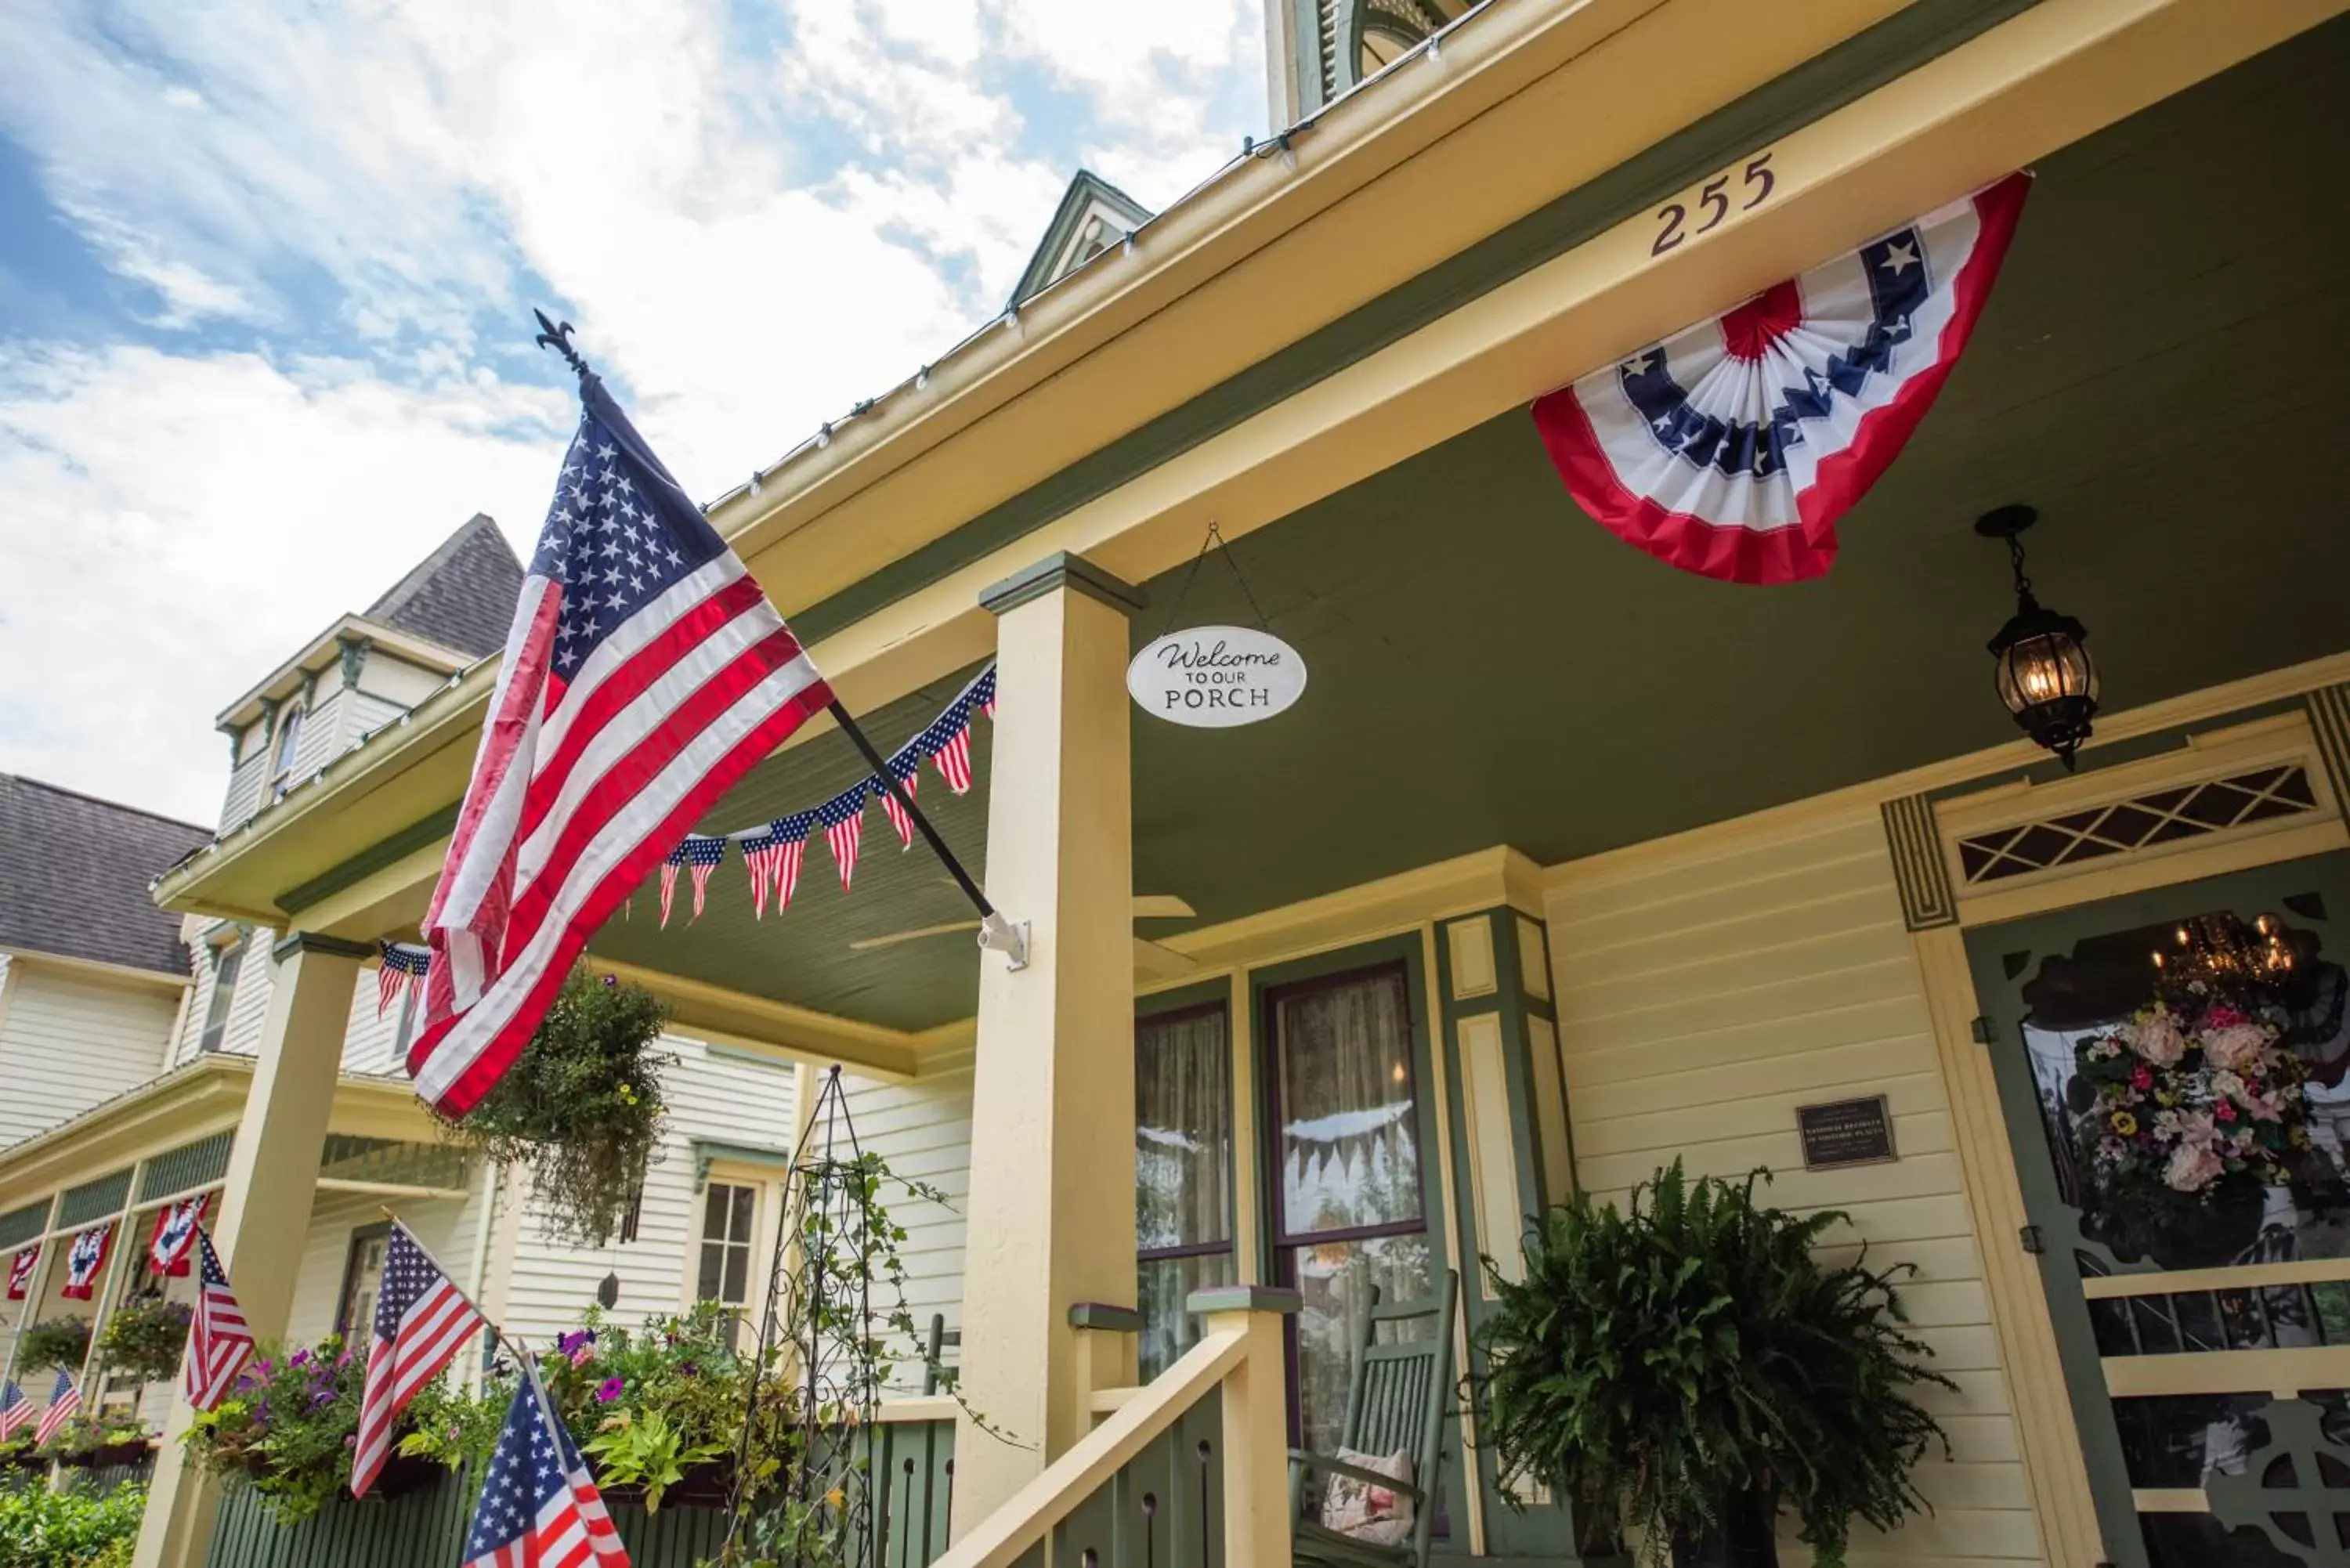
(1191, 1471)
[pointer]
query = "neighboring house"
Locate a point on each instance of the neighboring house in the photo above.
(126, 1036)
(93, 976)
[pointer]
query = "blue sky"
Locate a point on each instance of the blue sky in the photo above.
(267, 269)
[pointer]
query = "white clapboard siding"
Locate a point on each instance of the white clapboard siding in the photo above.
(445, 1226)
(1707, 990)
(244, 797)
(722, 1098)
(922, 1132)
(70, 1040)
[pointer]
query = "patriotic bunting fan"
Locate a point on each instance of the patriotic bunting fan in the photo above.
(175, 1233)
(83, 1259)
(20, 1271)
(1732, 447)
(401, 964)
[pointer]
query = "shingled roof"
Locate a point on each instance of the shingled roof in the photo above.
(461, 596)
(74, 873)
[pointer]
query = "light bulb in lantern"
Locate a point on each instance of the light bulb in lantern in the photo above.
(2042, 670)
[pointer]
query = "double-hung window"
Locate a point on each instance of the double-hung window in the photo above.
(225, 967)
(1183, 1172)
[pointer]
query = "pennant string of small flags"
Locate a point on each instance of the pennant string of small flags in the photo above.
(774, 852)
(402, 961)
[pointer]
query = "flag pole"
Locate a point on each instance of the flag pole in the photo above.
(996, 934)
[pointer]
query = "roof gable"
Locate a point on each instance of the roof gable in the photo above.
(74, 874)
(1093, 215)
(461, 596)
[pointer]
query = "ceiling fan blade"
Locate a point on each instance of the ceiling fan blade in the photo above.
(1161, 906)
(868, 944)
(1155, 960)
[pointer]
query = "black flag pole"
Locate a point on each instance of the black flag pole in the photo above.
(995, 933)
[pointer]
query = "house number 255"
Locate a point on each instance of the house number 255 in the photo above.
(1715, 201)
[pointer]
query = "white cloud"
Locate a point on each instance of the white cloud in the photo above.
(177, 527)
(756, 219)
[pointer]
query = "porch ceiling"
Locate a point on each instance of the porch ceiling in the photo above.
(2150, 373)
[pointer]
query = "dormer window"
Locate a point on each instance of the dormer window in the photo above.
(289, 742)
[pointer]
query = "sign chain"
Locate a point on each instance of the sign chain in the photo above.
(1214, 540)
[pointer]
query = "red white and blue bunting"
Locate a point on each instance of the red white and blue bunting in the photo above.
(773, 852)
(20, 1271)
(1732, 447)
(83, 1259)
(175, 1234)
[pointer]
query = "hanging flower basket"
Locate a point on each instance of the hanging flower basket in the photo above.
(144, 1339)
(62, 1342)
(581, 1106)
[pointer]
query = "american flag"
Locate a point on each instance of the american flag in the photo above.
(401, 964)
(20, 1271)
(774, 855)
(644, 674)
(420, 1319)
(700, 855)
(844, 828)
(219, 1343)
(14, 1410)
(983, 692)
(175, 1233)
(906, 767)
(83, 1259)
(946, 742)
(65, 1402)
(539, 1506)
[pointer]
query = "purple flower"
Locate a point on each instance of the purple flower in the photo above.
(299, 1358)
(351, 1439)
(323, 1397)
(262, 1367)
(342, 1361)
(608, 1391)
(611, 980)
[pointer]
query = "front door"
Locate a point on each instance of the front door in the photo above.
(2174, 1072)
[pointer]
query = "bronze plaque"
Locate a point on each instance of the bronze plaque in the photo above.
(1846, 1132)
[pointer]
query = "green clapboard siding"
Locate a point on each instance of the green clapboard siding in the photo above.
(93, 1199)
(20, 1225)
(197, 1163)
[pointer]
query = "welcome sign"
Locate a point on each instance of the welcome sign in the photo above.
(1215, 677)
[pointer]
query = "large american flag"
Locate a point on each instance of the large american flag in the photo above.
(65, 1403)
(14, 1410)
(644, 674)
(420, 1319)
(539, 1506)
(219, 1343)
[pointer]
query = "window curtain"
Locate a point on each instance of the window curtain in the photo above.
(1182, 1175)
(1349, 1142)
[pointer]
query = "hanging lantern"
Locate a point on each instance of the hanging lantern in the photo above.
(2045, 675)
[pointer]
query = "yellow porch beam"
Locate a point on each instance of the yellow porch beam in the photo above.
(777, 1029)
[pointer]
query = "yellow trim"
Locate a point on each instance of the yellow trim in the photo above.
(776, 1029)
(2170, 1500)
(2235, 1276)
(96, 969)
(2283, 1373)
(1248, 1226)
(2055, 1476)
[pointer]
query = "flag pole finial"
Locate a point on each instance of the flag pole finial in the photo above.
(559, 337)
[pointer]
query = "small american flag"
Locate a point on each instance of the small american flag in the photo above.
(65, 1403)
(20, 1271)
(983, 692)
(844, 828)
(946, 742)
(774, 855)
(401, 964)
(175, 1232)
(644, 674)
(700, 855)
(539, 1506)
(219, 1343)
(906, 767)
(420, 1319)
(14, 1410)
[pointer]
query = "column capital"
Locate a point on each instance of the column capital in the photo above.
(293, 943)
(1063, 570)
(1105, 1318)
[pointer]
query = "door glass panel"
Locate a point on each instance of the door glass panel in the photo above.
(2193, 1080)
(1349, 1131)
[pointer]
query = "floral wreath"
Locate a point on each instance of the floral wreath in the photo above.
(2185, 1097)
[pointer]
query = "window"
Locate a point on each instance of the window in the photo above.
(226, 963)
(1182, 1173)
(726, 1226)
(289, 742)
(1347, 1209)
(362, 1277)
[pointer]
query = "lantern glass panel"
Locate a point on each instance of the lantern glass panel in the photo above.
(2048, 667)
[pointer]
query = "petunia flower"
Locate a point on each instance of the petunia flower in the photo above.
(608, 1390)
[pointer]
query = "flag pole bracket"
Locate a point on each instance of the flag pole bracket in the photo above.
(1010, 938)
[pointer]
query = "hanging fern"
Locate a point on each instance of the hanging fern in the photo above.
(581, 1106)
(1667, 1364)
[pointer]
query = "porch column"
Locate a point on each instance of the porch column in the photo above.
(265, 1209)
(1051, 1220)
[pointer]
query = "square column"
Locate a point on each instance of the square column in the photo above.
(1051, 1220)
(264, 1209)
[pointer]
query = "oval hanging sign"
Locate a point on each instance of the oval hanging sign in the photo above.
(1214, 677)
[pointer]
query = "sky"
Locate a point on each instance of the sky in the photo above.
(267, 269)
